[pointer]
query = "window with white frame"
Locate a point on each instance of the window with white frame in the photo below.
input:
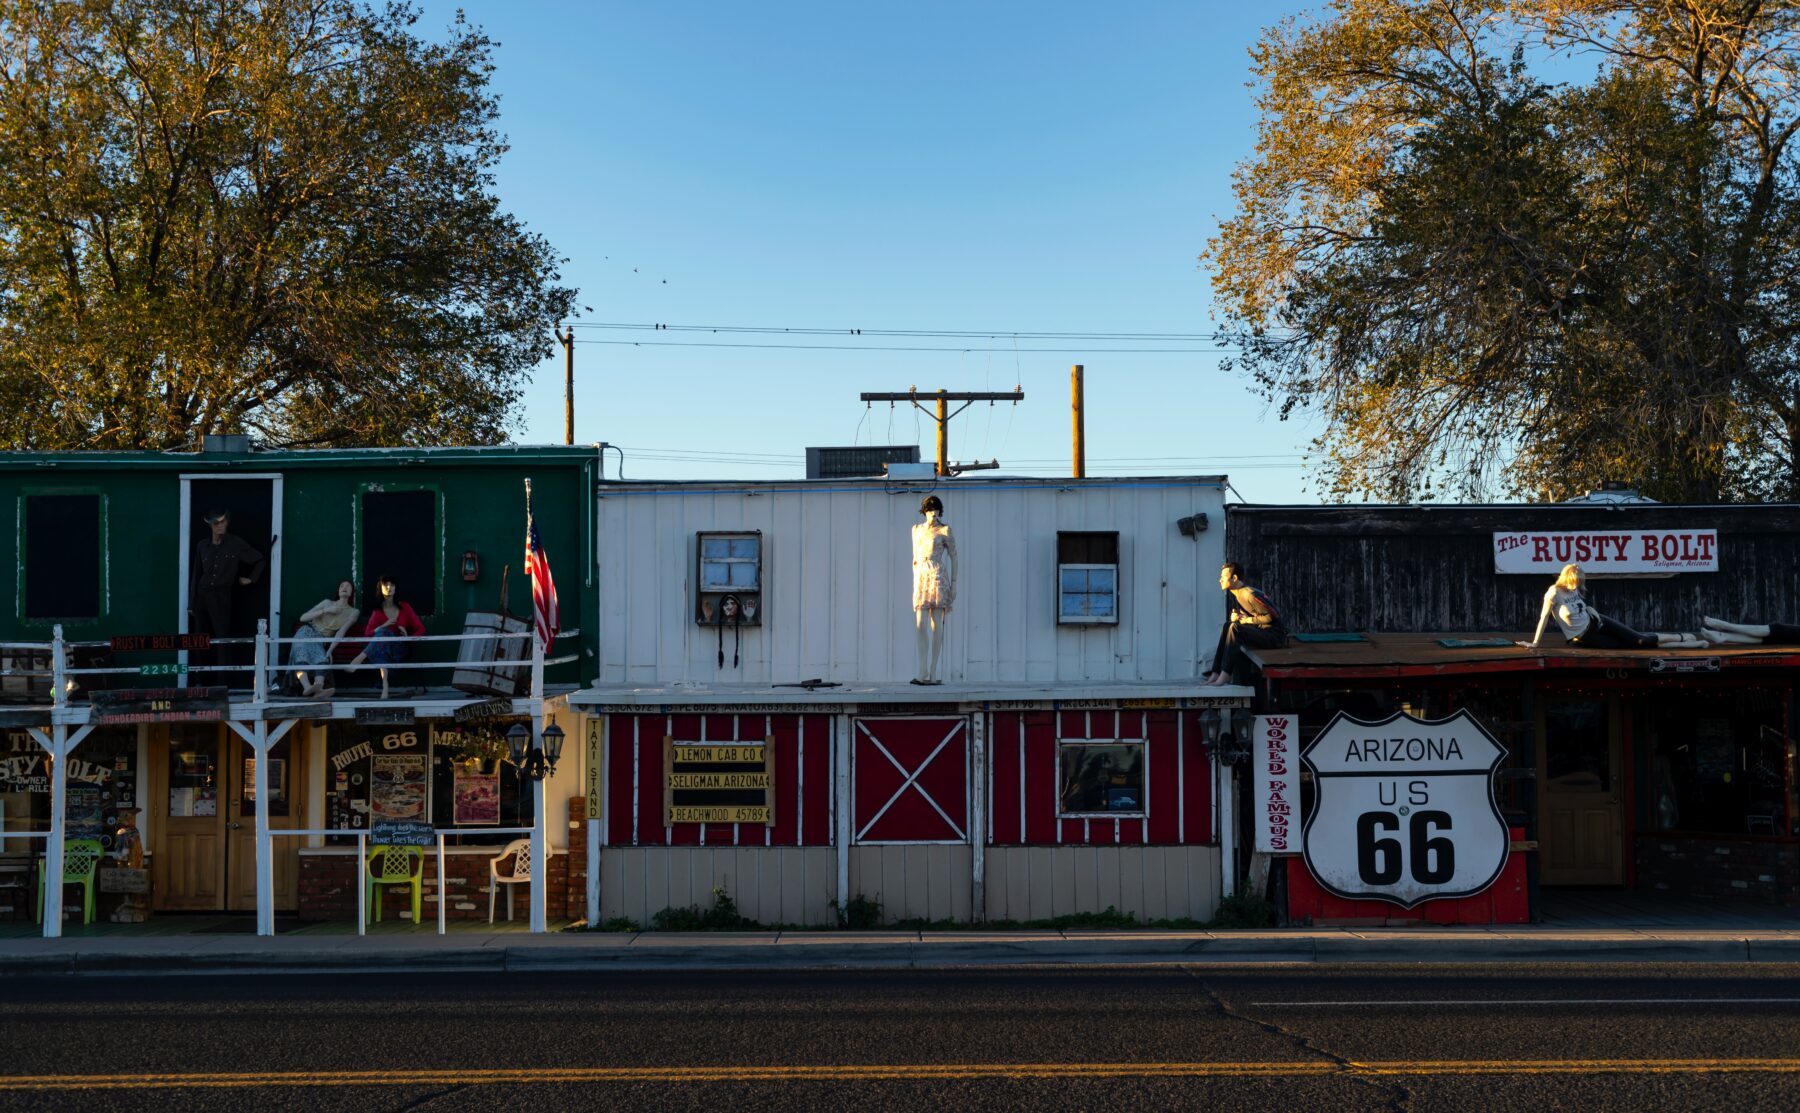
(729, 579)
(1101, 777)
(1087, 578)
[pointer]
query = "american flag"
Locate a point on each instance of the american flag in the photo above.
(543, 588)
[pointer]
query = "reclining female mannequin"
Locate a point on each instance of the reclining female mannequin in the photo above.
(1586, 628)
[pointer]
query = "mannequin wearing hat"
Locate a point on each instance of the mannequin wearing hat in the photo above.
(934, 586)
(222, 563)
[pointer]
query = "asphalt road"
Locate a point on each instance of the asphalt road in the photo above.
(1687, 1037)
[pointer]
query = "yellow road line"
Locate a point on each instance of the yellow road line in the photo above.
(926, 1072)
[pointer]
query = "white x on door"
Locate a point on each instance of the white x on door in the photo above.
(910, 780)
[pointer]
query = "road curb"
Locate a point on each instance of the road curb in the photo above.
(651, 953)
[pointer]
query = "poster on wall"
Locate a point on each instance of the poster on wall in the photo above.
(1405, 809)
(1275, 789)
(1612, 553)
(476, 796)
(398, 786)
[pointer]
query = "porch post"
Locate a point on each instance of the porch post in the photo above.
(265, 843)
(540, 851)
(54, 845)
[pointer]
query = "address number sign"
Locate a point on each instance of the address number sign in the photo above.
(1405, 809)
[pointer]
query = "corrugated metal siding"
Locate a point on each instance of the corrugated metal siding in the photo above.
(772, 885)
(838, 582)
(1149, 882)
(1420, 569)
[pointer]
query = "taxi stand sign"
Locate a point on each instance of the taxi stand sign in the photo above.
(1405, 809)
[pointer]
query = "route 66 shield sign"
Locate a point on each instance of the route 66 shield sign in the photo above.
(1404, 809)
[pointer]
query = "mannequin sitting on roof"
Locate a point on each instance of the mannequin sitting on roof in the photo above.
(390, 624)
(1719, 632)
(1586, 628)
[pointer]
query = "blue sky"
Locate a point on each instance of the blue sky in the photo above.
(999, 167)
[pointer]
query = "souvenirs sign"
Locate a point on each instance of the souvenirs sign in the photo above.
(158, 705)
(1405, 809)
(1275, 783)
(1615, 552)
(718, 782)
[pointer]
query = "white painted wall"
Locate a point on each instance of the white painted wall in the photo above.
(837, 574)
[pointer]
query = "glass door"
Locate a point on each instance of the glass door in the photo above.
(285, 767)
(1581, 815)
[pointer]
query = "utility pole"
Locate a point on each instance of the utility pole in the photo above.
(1076, 404)
(944, 413)
(568, 343)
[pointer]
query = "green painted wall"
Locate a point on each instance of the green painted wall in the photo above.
(482, 508)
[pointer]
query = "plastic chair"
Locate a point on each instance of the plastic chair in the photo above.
(81, 861)
(396, 865)
(519, 850)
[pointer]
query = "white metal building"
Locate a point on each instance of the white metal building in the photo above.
(755, 726)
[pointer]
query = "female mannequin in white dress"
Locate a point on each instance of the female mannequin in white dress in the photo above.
(934, 586)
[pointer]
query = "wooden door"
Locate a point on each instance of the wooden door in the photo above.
(188, 799)
(287, 808)
(910, 780)
(1581, 832)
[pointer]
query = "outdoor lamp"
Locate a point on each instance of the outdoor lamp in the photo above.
(471, 566)
(553, 743)
(530, 760)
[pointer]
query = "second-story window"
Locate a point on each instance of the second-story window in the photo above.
(1087, 578)
(61, 561)
(730, 579)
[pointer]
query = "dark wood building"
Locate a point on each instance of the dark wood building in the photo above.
(1667, 771)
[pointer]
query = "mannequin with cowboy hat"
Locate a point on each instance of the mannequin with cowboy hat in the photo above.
(222, 563)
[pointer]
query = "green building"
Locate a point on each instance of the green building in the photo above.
(108, 547)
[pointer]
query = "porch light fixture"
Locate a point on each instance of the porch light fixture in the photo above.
(471, 566)
(530, 760)
(1228, 733)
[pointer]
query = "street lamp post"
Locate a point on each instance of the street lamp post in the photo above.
(536, 762)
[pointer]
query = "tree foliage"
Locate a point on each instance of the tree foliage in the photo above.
(267, 216)
(1527, 245)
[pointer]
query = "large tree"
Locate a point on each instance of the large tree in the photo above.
(1526, 246)
(266, 216)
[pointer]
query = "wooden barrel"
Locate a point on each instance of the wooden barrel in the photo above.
(493, 666)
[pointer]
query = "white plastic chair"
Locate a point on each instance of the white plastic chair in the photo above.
(519, 850)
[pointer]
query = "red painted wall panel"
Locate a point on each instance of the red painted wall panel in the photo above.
(648, 731)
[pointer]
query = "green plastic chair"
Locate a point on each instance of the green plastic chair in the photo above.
(396, 865)
(81, 861)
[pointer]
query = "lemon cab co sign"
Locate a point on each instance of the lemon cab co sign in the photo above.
(1405, 809)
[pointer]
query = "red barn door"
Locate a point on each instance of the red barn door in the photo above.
(910, 780)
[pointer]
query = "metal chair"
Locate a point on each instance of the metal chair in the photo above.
(396, 865)
(519, 850)
(81, 861)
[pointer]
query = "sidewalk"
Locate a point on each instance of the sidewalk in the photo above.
(512, 951)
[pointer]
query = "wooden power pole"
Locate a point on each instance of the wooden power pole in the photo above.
(1076, 413)
(944, 413)
(568, 343)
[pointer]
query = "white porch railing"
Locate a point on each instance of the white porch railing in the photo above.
(68, 728)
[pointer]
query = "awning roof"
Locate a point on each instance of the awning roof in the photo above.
(889, 695)
(1376, 656)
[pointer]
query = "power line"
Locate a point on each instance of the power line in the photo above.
(977, 334)
(900, 348)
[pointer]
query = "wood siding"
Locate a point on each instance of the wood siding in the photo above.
(917, 882)
(772, 885)
(1413, 569)
(1149, 882)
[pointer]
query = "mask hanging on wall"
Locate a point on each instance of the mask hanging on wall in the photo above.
(731, 613)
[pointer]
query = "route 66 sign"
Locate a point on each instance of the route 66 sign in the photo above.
(1404, 809)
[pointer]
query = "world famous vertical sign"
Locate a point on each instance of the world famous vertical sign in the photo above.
(1274, 785)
